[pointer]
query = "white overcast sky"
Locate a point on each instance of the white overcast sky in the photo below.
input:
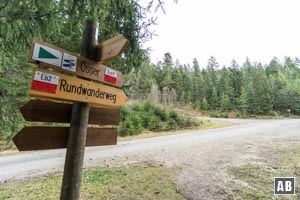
(227, 29)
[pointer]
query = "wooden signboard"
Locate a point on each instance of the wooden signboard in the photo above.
(112, 48)
(44, 54)
(58, 112)
(53, 85)
(40, 138)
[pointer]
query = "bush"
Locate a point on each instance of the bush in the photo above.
(161, 113)
(144, 115)
(224, 115)
(125, 128)
(196, 105)
(215, 115)
(219, 115)
(154, 124)
(172, 124)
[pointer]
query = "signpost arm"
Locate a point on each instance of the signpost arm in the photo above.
(78, 127)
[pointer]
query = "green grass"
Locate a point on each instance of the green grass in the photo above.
(135, 182)
(256, 181)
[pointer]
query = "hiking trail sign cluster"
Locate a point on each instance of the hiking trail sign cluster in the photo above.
(56, 58)
(64, 86)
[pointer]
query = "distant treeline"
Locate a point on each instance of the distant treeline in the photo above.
(252, 88)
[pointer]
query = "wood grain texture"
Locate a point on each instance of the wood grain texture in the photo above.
(112, 48)
(70, 187)
(74, 89)
(41, 138)
(59, 112)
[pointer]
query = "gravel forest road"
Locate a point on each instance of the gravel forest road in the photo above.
(201, 158)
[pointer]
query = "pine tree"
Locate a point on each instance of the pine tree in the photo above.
(262, 90)
(167, 70)
(236, 78)
(142, 81)
(197, 83)
(243, 101)
(211, 82)
(214, 100)
(225, 90)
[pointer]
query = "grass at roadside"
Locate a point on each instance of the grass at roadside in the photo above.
(135, 182)
(256, 181)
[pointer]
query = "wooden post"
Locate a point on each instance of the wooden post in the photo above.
(70, 189)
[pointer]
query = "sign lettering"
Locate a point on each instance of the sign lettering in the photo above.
(75, 89)
(89, 69)
(50, 56)
(85, 91)
(110, 76)
(284, 185)
(44, 82)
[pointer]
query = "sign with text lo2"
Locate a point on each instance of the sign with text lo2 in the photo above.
(53, 85)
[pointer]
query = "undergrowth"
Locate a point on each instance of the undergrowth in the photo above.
(137, 117)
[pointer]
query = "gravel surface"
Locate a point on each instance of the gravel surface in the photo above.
(201, 158)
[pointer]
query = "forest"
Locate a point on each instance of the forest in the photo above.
(250, 89)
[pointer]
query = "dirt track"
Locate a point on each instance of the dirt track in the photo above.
(202, 158)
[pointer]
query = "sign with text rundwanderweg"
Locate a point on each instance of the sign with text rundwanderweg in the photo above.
(53, 85)
(48, 55)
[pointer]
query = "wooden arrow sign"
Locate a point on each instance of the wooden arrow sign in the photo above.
(49, 111)
(41, 138)
(53, 85)
(47, 55)
(112, 48)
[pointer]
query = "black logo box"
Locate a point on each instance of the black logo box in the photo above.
(284, 185)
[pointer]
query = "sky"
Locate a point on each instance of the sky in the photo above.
(227, 29)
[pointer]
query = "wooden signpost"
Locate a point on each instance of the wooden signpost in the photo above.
(44, 137)
(60, 112)
(47, 55)
(111, 48)
(56, 86)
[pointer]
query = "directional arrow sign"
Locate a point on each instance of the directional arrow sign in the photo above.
(112, 48)
(40, 138)
(58, 86)
(49, 111)
(50, 56)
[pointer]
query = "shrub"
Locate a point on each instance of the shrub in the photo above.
(172, 124)
(161, 113)
(125, 128)
(215, 115)
(137, 123)
(154, 123)
(224, 115)
(175, 116)
(144, 115)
